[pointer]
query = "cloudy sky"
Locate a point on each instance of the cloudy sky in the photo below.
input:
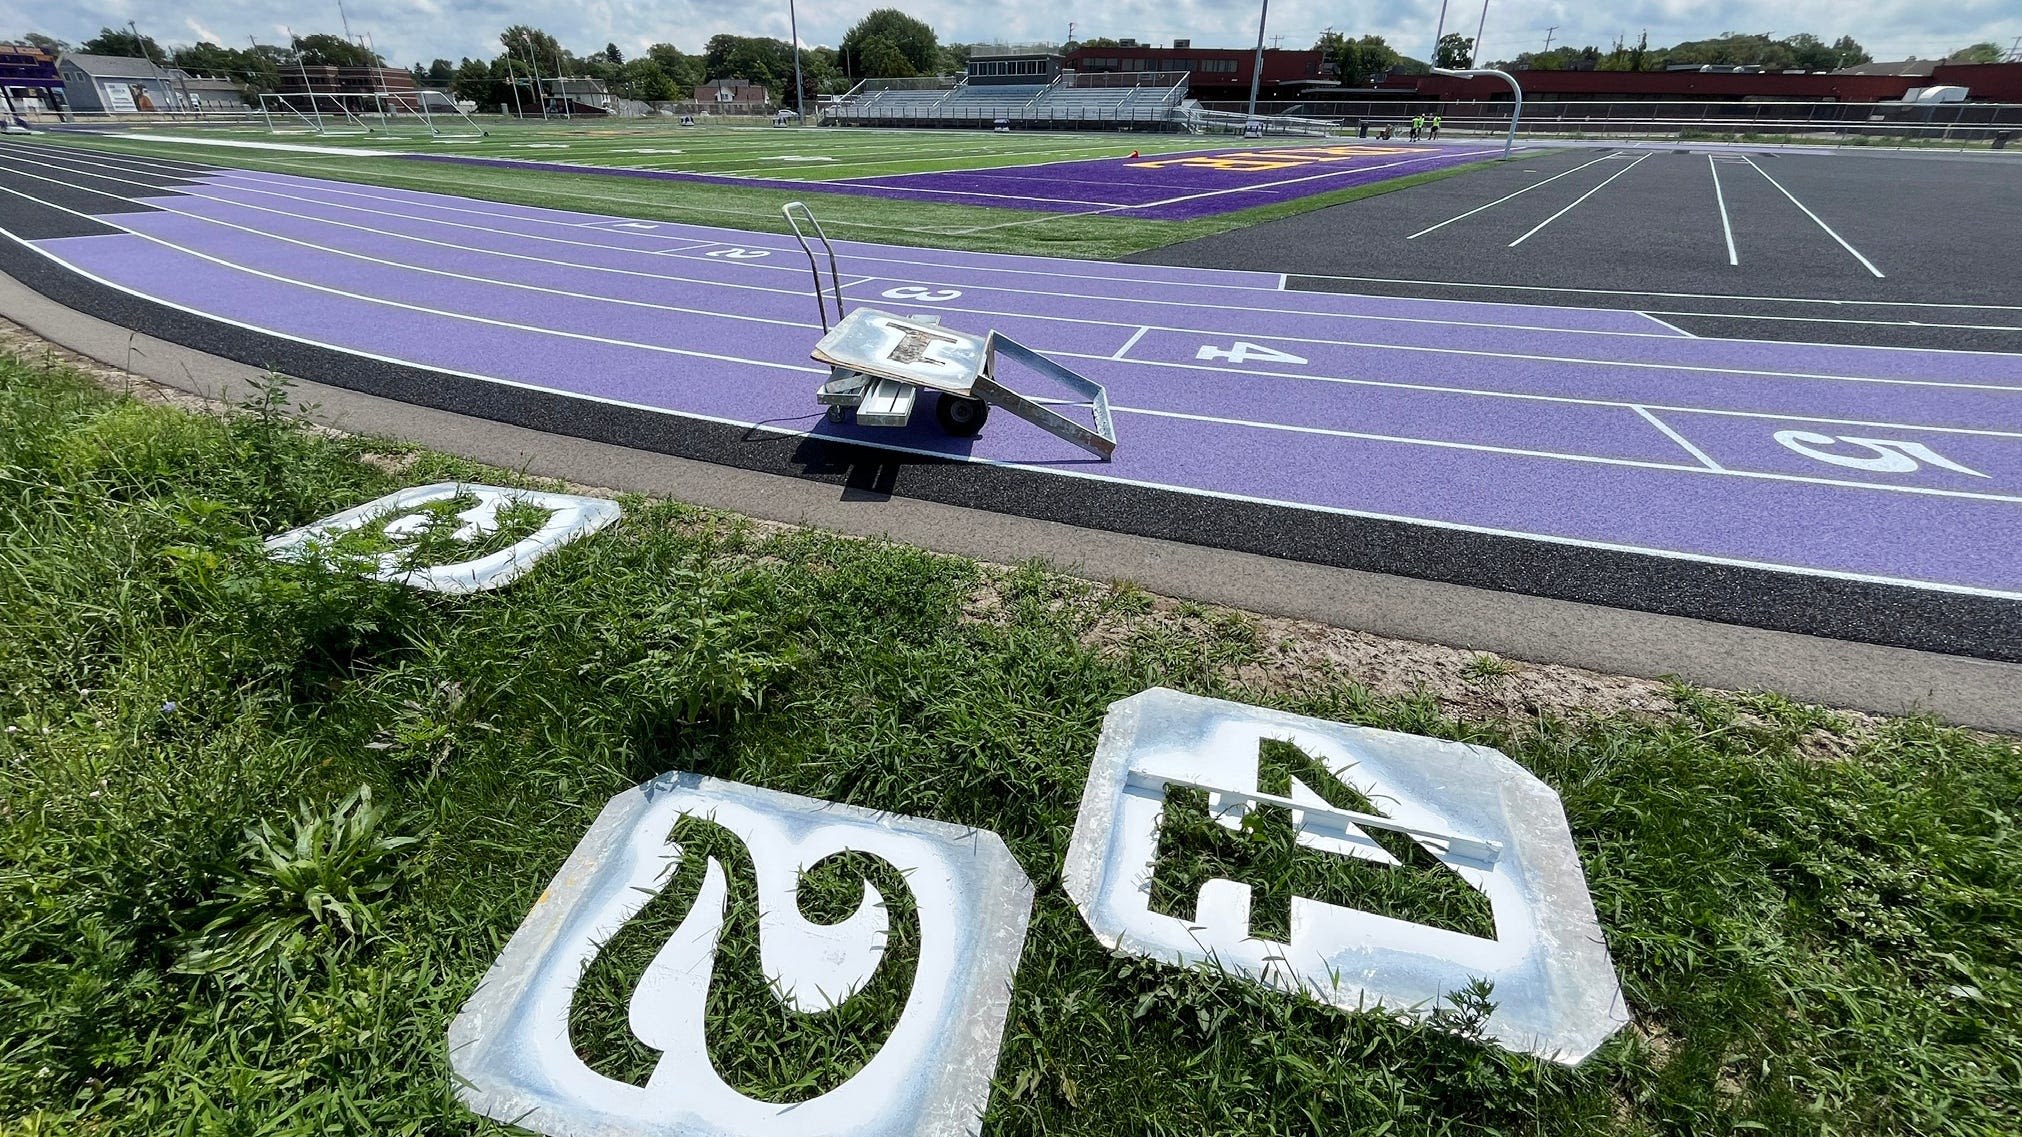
(409, 30)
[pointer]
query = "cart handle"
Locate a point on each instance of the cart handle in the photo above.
(834, 274)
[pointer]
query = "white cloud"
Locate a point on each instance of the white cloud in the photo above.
(409, 30)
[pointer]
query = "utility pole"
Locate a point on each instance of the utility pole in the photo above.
(1548, 36)
(2015, 51)
(141, 42)
(1257, 75)
(793, 29)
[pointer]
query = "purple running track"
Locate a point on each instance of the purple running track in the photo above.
(1597, 428)
(1158, 187)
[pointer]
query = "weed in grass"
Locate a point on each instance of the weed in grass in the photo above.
(290, 897)
(1488, 668)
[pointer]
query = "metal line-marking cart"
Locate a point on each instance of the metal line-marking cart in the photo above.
(879, 362)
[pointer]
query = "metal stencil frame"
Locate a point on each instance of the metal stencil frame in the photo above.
(1480, 814)
(571, 517)
(510, 1048)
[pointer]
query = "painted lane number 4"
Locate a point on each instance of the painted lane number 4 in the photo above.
(1884, 455)
(1244, 352)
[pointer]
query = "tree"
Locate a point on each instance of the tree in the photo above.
(440, 74)
(47, 43)
(880, 58)
(613, 55)
(1378, 58)
(1849, 53)
(869, 47)
(1978, 53)
(521, 41)
(113, 41)
(325, 50)
(647, 81)
(683, 70)
(472, 82)
(1454, 50)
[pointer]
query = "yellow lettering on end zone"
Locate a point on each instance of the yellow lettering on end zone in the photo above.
(1242, 162)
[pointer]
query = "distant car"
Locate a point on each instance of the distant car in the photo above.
(785, 117)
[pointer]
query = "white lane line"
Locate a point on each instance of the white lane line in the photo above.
(1680, 440)
(421, 308)
(1868, 264)
(1670, 295)
(1057, 471)
(1576, 201)
(1500, 200)
(1668, 324)
(1131, 342)
(1380, 346)
(687, 253)
(1515, 452)
(1845, 320)
(1279, 427)
(1720, 199)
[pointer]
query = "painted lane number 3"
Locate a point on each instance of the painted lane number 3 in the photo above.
(1243, 352)
(1884, 455)
(923, 295)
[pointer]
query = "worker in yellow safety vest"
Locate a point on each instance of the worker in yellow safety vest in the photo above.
(1417, 126)
(1435, 126)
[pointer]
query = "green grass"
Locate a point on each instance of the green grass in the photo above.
(741, 207)
(209, 928)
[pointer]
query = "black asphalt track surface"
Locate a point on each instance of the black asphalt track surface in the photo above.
(1946, 236)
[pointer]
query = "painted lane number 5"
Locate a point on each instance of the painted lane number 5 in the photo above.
(923, 295)
(1243, 352)
(1884, 455)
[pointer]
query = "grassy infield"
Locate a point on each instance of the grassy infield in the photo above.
(262, 826)
(753, 152)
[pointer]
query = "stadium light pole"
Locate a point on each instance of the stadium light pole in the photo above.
(793, 29)
(1257, 72)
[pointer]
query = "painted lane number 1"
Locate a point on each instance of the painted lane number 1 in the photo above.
(1884, 455)
(1243, 352)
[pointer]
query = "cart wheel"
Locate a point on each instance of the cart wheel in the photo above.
(960, 415)
(837, 415)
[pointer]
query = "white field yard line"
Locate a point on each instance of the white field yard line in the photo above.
(1865, 263)
(1640, 407)
(1280, 427)
(1119, 323)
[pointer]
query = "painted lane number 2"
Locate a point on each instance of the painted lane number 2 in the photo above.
(735, 253)
(1243, 352)
(1884, 455)
(923, 295)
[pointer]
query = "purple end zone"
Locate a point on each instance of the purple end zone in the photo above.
(1156, 187)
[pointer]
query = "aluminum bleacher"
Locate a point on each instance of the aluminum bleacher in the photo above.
(1149, 100)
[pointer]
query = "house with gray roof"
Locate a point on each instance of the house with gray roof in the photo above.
(116, 84)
